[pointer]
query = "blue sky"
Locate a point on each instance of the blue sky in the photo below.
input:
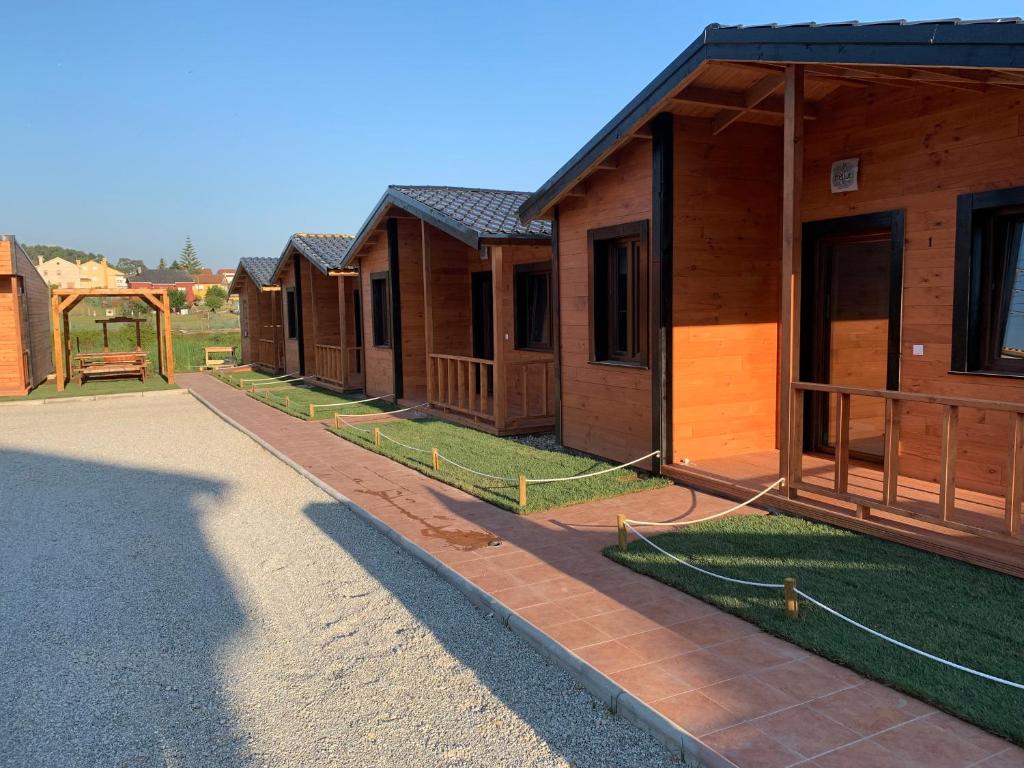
(129, 125)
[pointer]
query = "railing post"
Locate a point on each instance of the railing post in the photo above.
(842, 478)
(891, 451)
(522, 490)
(792, 604)
(620, 523)
(1015, 476)
(947, 478)
(796, 441)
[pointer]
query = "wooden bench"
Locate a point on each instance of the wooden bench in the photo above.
(216, 362)
(112, 365)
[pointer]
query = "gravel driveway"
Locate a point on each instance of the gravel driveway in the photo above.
(172, 595)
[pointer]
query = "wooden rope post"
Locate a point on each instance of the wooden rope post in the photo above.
(620, 523)
(376, 436)
(287, 401)
(792, 605)
(311, 414)
(436, 457)
(337, 421)
(522, 490)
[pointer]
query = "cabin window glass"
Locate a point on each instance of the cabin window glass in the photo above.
(532, 301)
(619, 294)
(291, 314)
(380, 298)
(243, 316)
(989, 311)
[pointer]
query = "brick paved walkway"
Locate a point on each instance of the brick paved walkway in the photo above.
(753, 699)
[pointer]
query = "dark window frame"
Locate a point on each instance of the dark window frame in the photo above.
(380, 311)
(603, 327)
(521, 319)
(291, 313)
(978, 312)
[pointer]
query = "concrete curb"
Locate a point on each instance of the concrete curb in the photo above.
(601, 687)
(88, 398)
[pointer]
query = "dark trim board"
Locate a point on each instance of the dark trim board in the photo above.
(941, 44)
(299, 330)
(556, 324)
(396, 308)
(662, 160)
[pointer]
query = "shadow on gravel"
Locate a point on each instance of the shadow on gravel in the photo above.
(112, 615)
(574, 725)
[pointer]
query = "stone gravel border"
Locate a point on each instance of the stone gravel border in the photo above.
(694, 752)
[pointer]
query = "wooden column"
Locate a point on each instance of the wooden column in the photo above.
(158, 314)
(428, 310)
(343, 329)
(792, 185)
(66, 348)
(660, 315)
(58, 354)
(168, 345)
(395, 285)
(556, 324)
(498, 302)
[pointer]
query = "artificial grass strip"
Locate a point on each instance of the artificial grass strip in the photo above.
(299, 398)
(968, 615)
(501, 457)
(48, 389)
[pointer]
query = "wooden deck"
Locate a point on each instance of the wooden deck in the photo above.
(740, 476)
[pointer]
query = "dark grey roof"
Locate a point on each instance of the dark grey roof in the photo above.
(260, 270)
(468, 214)
(994, 43)
(161, 277)
(326, 252)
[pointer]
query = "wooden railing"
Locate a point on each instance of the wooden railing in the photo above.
(267, 353)
(463, 384)
(528, 390)
(327, 363)
(890, 466)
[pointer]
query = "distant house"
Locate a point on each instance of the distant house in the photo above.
(226, 276)
(165, 278)
(80, 274)
(203, 281)
(25, 345)
(59, 272)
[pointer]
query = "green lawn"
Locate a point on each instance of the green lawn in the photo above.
(300, 396)
(501, 457)
(965, 614)
(95, 387)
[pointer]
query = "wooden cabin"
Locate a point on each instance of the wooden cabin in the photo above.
(259, 307)
(26, 351)
(319, 303)
(797, 254)
(458, 309)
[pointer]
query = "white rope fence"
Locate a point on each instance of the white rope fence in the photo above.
(314, 406)
(791, 592)
(243, 382)
(439, 457)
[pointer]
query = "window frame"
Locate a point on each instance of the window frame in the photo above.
(527, 270)
(291, 313)
(976, 331)
(598, 241)
(385, 323)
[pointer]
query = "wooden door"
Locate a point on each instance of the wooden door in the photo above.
(851, 326)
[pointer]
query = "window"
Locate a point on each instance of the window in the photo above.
(293, 321)
(619, 294)
(532, 301)
(243, 316)
(988, 313)
(380, 307)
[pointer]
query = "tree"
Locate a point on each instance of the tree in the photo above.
(215, 297)
(177, 299)
(53, 251)
(130, 266)
(135, 308)
(189, 260)
(161, 264)
(175, 265)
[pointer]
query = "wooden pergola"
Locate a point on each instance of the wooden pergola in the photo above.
(63, 300)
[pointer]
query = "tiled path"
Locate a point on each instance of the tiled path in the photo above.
(756, 700)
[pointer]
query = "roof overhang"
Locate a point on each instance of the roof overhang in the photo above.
(977, 45)
(295, 247)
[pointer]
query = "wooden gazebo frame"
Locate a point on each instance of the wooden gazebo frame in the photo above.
(63, 300)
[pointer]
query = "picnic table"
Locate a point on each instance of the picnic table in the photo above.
(111, 365)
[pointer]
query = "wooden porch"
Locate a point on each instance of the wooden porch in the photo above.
(336, 343)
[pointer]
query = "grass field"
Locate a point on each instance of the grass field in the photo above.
(96, 387)
(965, 614)
(501, 457)
(299, 397)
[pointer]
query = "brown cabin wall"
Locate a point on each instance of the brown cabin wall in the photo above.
(24, 323)
(451, 262)
(379, 369)
(250, 309)
(353, 297)
(725, 289)
(919, 148)
(325, 314)
(414, 340)
(606, 410)
(291, 346)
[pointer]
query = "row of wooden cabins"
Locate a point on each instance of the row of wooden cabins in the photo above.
(798, 253)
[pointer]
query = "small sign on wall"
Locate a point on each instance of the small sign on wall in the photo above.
(844, 174)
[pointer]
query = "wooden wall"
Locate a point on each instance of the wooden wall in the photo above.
(414, 340)
(378, 360)
(24, 322)
(451, 262)
(919, 148)
(725, 291)
(249, 318)
(606, 410)
(291, 346)
(325, 314)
